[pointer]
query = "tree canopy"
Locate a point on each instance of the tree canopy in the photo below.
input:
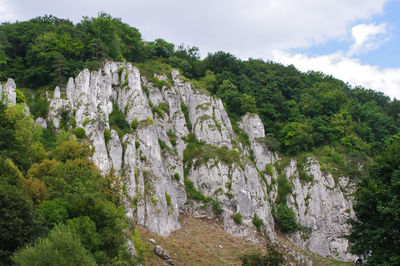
(375, 231)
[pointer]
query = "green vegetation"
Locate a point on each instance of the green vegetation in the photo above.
(50, 177)
(237, 218)
(107, 135)
(284, 189)
(286, 218)
(60, 247)
(79, 132)
(186, 114)
(56, 206)
(192, 192)
(168, 199)
(377, 208)
(269, 170)
(118, 122)
(217, 207)
(258, 222)
(172, 137)
(198, 152)
(272, 257)
(134, 124)
(177, 177)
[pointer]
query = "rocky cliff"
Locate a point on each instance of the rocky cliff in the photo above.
(182, 154)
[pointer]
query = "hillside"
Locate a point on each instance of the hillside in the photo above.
(148, 136)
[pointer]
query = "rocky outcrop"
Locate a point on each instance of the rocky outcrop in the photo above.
(150, 158)
(323, 207)
(8, 92)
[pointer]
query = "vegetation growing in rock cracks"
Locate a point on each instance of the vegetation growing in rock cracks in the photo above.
(49, 185)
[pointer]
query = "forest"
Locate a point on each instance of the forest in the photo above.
(301, 112)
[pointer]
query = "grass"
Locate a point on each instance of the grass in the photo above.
(196, 243)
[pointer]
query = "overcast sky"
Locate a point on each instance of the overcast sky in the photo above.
(354, 40)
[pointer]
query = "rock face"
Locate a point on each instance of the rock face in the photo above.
(322, 206)
(7, 92)
(152, 158)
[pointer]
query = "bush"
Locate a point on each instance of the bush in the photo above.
(177, 177)
(164, 107)
(163, 145)
(168, 199)
(269, 170)
(217, 207)
(286, 218)
(72, 122)
(79, 132)
(61, 247)
(284, 189)
(20, 96)
(192, 192)
(172, 137)
(273, 257)
(237, 218)
(107, 135)
(258, 222)
(117, 118)
(134, 124)
(185, 111)
(38, 106)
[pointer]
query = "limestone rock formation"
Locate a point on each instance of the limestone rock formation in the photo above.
(152, 157)
(7, 92)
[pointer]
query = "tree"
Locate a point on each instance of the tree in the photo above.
(20, 222)
(61, 247)
(375, 231)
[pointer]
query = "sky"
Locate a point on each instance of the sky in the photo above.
(357, 41)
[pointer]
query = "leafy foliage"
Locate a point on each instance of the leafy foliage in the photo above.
(61, 247)
(258, 222)
(237, 218)
(375, 229)
(273, 257)
(286, 218)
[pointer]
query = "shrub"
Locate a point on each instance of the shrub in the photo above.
(168, 199)
(72, 122)
(62, 246)
(258, 222)
(172, 137)
(163, 145)
(79, 132)
(273, 257)
(286, 218)
(20, 96)
(269, 170)
(177, 177)
(185, 111)
(192, 192)
(164, 107)
(217, 207)
(284, 189)
(237, 218)
(38, 106)
(134, 124)
(137, 144)
(117, 118)
(107, 135)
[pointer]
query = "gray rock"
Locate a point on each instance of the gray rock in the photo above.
(162, 253)
(8, 93)
(151, 240)
(154, 198)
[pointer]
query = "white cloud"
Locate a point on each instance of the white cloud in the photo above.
(386, 80)
(367, 37)
(7, 11)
